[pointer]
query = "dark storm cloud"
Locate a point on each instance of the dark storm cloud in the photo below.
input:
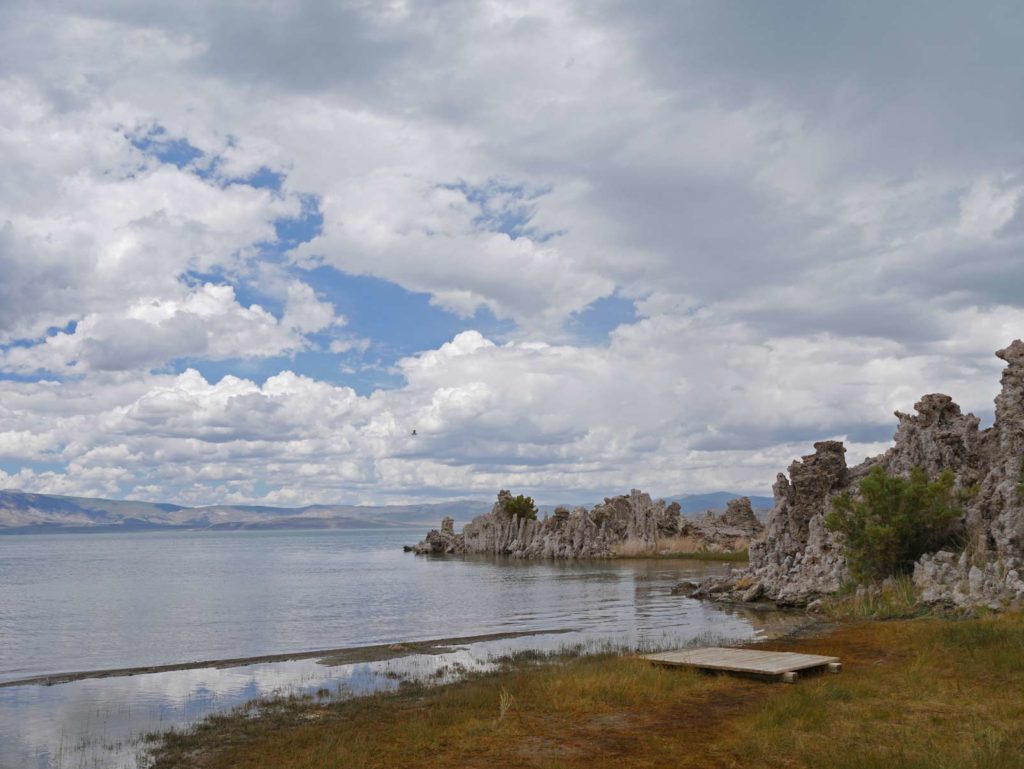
(923, 80)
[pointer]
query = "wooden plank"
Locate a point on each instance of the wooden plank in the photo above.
(788, 660)
(744, 660)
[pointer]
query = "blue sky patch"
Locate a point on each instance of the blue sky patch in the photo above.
(265, 178)
(506, 208)
(159, 144)
(382, 310)
(302, 228)
(11, 467)
(594, 323)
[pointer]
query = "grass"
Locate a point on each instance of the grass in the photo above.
(677, 547)
(894, 598)
(925, 694)
(918, 693)
(739, 556)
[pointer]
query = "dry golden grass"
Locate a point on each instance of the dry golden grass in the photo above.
(935, 693)
(679, 547)
(895, 598)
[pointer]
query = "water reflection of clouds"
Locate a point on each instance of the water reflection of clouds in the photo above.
(99, 720)
(621, 602)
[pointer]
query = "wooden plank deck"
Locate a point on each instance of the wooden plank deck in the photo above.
(785, 665)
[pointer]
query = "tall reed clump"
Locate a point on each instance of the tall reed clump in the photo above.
(892, 598)
(505, 703)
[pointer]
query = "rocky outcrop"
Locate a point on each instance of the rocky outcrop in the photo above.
(938, 437)
(990, 570)
(630, 524)
(996, 519)
(965, 581)
(798, 556)
(740, 515)
(441, 542)
(798, 559)
(732, 531)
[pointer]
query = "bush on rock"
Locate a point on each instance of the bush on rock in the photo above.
(893, 521)
(521, 507)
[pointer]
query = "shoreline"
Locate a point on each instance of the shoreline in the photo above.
(616, 710)
(328, 657)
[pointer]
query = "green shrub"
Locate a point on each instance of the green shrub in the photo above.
(521, 507)
(894, 521)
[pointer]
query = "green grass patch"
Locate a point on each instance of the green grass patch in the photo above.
(927, 694)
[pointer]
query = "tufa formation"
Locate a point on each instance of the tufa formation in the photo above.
(798, 559)
(631, 524)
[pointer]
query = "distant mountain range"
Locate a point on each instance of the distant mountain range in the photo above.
(24, 513)
(699, 503)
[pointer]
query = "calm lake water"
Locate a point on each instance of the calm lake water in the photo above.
(102, 601)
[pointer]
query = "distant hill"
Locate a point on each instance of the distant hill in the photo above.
(698, 503)
(25, 513)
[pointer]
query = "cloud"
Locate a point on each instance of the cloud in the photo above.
(95, 224)
(432, 239)
(817, 218)
(563, 422)
(304, 313)
(670, 165)
(339, 346)
(206, 322)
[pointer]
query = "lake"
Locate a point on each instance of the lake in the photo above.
(97, 602)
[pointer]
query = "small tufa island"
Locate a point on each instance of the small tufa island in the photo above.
(975, 558)
(627, 525)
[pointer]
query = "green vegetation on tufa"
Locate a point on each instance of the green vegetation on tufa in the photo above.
(521, 507)
(893, 521)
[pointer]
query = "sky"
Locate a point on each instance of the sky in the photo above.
(247, 248)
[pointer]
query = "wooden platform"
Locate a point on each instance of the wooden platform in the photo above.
(783, 665)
